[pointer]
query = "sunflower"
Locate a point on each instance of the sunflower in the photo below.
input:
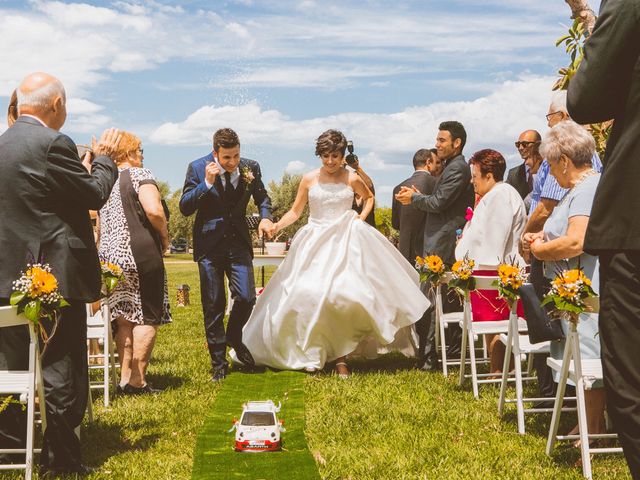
(435, 264)
(42, 282)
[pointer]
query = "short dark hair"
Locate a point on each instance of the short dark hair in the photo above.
(434, 151)
(421, 157)
(490, 161)
(456, 130)
(331, 141)
(225, 138)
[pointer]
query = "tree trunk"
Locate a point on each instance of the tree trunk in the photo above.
(581, 9)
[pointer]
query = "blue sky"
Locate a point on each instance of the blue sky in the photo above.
(282, 72)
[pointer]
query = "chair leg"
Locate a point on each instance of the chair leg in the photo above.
(505, 374)
(474, 368)
(463, 353)
(557, 406)
(519, 394)
(89, 405)
(583, 429)
(31, 407)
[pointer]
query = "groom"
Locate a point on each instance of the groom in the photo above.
(217, 188)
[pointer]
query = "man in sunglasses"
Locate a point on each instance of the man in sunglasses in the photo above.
(521, 177)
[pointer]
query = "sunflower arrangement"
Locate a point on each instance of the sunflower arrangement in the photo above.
(431, 269)
(462, 273)
(37, 297)
(569, 290)
(510, 278)
(111, 275)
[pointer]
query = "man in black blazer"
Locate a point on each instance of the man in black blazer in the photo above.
(411, 222)
(217, 189)
(446, 207)
(521, 177)
(46, 196)
(607, 86)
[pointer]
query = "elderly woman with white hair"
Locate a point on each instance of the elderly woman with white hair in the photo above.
(569, 148)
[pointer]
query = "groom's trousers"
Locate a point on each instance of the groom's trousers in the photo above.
(235, 262)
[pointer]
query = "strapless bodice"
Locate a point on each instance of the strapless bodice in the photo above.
(328, 201)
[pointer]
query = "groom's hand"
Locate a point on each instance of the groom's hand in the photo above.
(405, 194)
(211, 173)
(266, 227)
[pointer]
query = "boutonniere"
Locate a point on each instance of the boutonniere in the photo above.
(469, 215)
(247, 175)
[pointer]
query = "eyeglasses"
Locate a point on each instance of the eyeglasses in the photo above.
(524, 144)
(549, 115)
(141, 150)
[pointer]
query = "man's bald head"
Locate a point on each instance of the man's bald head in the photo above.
(528, 145)
(43, 95)
(530, 136)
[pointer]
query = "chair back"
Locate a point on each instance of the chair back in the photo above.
(486, 283)
(9, 317)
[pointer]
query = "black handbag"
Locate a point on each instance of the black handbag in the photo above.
(541, 325)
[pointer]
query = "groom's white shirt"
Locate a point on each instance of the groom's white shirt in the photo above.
(235, 176)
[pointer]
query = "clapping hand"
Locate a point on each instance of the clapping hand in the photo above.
(108, 142)
(405, 194)
(528, 239)
(266, 228)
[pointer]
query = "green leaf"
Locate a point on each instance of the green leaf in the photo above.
(17, 297)
(32, 310)
(111, 283)
(564, 38)
(64, 303)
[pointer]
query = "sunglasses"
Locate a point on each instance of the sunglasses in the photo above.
(141, 150)
(525, 144)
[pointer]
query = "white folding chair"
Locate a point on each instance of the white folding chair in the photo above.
(26, 384)
(471, 330)
(99, 328)
(519, 345)
(442, 323)
(585, 374)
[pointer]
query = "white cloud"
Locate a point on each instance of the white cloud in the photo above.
(296, 166)
(384, 142)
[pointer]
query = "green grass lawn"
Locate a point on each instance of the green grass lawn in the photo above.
(385, 422)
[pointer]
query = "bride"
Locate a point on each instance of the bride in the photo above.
(342, 282)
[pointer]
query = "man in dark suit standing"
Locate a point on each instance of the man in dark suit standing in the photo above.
(411, 222)
(446, 208)
(217, 188)
(607, 86)
(521, 177)
(47, 193)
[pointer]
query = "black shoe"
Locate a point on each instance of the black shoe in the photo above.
(129, 389)
(81, 470)
(244, 355)
(218, 375)
(543, 404)
(427, 366)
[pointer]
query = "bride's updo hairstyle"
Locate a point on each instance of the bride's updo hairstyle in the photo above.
(331, 141)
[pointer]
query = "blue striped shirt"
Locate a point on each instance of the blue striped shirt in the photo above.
(546, 186)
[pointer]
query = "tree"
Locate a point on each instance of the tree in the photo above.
(383, 224)
(283, 195)
(583, 23)
(179, 225)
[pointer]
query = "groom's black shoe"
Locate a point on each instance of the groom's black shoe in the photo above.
(219, 374)
(427, 365)
(244, 355)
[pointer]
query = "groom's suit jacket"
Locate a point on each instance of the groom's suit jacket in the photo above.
(218, 215)
(446, 208)
(45, 197)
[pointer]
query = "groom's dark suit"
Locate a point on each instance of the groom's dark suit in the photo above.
(446, 209)
(222, 245)
(45, 198)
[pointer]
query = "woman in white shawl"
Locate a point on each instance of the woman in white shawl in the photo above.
(490, 237)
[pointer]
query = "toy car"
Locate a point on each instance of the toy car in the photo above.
(259, 428)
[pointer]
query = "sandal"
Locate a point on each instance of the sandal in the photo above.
(342, 372)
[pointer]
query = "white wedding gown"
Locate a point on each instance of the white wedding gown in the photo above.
(342, 287)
